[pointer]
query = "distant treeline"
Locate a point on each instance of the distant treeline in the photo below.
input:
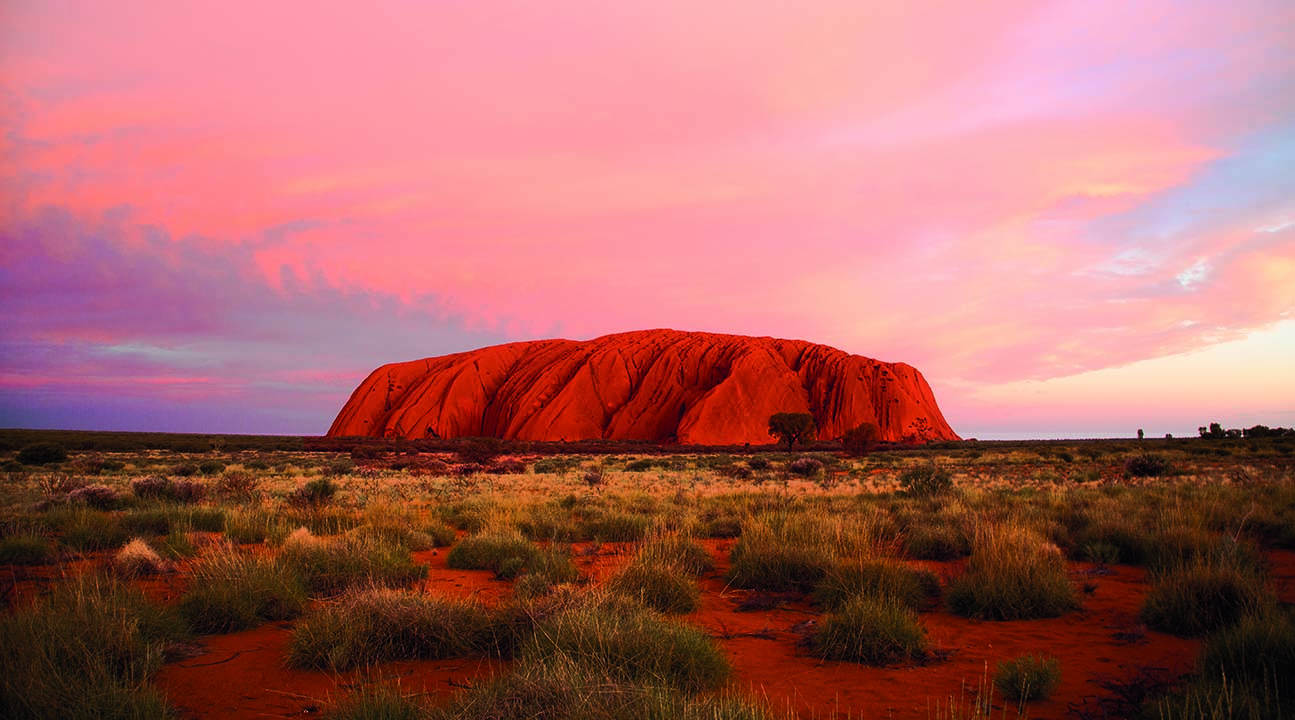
(83, 441)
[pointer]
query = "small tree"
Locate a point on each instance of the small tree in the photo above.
(791, 428)
(861, 440)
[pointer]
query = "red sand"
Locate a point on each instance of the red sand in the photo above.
(243, 675)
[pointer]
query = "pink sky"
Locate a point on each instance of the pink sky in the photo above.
(1076, 218)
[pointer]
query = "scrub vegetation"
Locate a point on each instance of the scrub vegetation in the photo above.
(337, 535)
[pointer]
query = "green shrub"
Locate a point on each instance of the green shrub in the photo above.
(1012, 574)
(372, 625)
(232, 591)
(872, 631)
(1028, 677)
(1146, 465)
(910, 587)
(85, 651)
(25, 549)
(42, 453)
(211, 467)
(315, 493)
(929, 480)
(628, 642)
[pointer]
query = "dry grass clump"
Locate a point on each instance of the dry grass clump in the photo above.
(1028, 677)
(1012, 574)
(234, 591)
(1205, 595)
(877, 578)
(783, 552)
(85, 651)
(872, 631)
(624, 640)
(25, 548)
(137, 559)
(370, 625)
(564, 688)
(332, 565)
(661, 585)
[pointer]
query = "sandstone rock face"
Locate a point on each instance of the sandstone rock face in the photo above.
(657, 385)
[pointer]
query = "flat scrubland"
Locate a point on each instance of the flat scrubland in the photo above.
(230, 576)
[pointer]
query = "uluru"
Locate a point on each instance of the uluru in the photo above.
(664, 386)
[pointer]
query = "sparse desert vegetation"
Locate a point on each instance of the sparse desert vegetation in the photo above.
(742, 583)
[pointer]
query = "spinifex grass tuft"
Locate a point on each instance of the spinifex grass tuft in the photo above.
(872, 631)
(1012, 574)
(1028, 677)
(137, 559)
(562, 687)
(660, 585)
(331, 566)
(85, 651)
(627, 641)
(1204, 596)
(879, 578)
(371, 625)
(234, 591)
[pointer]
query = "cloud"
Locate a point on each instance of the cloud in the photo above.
(995, 193)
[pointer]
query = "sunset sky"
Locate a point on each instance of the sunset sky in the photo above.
(1075, 218)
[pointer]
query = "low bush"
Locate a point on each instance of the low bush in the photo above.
(1146, 465)
(211, 467)
(781, 554)
(99, 497)
(153, 487)
(1012, 574)
(680, 551)
(805, 467)
(926, 481)
(1028, 677)
(371, 625)
(872, 631)
(239, 484)
(315, 493)
(42, 453)
(233, 591)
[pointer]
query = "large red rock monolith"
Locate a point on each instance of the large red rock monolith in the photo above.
(657, 385)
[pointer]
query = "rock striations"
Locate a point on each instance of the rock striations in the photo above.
(658, 385)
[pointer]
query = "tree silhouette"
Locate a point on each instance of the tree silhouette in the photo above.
(791, 428)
